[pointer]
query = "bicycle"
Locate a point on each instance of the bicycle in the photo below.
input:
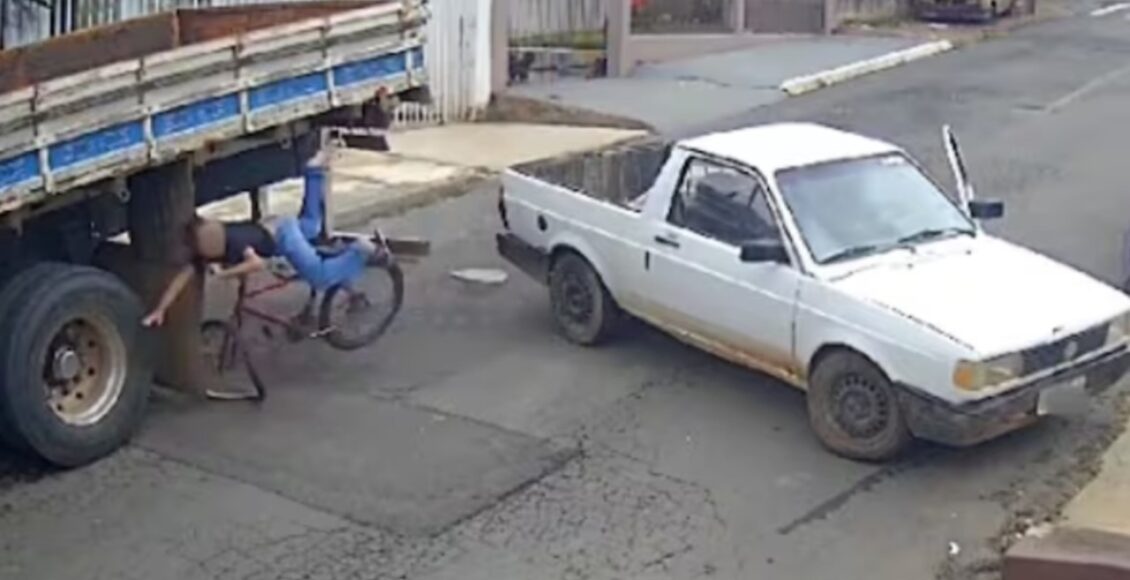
(342, 307)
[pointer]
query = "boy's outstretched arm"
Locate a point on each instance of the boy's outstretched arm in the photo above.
(251, 263)
(172, 291)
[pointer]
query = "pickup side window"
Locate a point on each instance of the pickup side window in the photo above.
(722, 203)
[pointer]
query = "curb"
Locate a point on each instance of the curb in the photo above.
(411, 198)
(1069, 554)
(506, 108)
(808, 83)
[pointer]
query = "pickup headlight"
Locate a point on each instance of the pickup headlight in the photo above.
(978, 375)
(1119, 330)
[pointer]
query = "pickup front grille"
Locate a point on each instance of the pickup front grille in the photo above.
(1044, 357)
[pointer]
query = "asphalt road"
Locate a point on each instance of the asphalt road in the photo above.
(474, 443)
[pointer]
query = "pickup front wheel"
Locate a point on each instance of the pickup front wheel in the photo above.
(854, 410)
(581, 304)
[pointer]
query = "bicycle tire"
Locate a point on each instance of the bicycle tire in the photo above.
(232, 353)
(343, 341)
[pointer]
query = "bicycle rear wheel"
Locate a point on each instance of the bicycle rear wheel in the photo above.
(227, 359)
(358, 314)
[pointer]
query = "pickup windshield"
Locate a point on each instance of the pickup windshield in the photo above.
(850, 209)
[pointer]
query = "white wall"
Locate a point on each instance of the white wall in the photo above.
(458, 56)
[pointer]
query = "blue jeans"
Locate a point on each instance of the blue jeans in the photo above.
(295, 239)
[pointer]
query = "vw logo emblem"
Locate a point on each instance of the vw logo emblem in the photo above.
(1071, 350)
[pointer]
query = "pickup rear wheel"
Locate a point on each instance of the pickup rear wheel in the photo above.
(582, 306)
(854, 410)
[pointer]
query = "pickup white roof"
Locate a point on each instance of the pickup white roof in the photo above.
(772, 148)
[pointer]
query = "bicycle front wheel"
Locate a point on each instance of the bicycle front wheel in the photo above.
(358, 314)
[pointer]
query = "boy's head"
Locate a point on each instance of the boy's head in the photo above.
(204, 238)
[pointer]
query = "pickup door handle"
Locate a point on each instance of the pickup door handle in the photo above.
(666, 241)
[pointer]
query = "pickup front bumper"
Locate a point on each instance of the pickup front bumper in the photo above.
(970, 423)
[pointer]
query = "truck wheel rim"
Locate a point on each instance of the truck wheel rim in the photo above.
(85, 370)
(860, 407)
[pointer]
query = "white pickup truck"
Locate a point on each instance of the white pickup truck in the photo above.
(830, 261)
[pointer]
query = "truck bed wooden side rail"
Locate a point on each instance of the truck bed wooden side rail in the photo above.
(110, 121)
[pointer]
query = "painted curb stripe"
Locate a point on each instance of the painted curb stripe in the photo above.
(803, 84)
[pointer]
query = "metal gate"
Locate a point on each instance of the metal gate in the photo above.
(681, 16)
(773, 16)
(550, 39)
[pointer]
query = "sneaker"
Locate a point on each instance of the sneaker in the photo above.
(302, 325)
(380, 259)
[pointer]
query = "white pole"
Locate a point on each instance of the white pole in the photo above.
(480, 93)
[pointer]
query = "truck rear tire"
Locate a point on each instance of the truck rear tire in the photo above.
(11, 295)
(854, 410)
(582, 307)
(75, 371)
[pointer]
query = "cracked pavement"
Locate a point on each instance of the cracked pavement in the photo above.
(474, 443)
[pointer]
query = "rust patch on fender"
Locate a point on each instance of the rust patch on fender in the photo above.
(723, 343)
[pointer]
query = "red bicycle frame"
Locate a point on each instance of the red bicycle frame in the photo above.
(242, 308)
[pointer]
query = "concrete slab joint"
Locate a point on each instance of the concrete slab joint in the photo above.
(807, 83)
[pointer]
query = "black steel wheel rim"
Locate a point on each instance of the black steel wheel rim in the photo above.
(576, 304)
(860, 407)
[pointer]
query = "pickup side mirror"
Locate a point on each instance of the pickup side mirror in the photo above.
(986, 210)
(764, 251)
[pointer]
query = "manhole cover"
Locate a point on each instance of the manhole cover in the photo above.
(485, 276)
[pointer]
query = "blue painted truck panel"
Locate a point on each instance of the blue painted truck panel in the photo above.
(96, 145)
(195, 117)
(18, 170)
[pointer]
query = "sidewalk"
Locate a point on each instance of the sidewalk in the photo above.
(425, 165)
(678, 95)
(1092, 542)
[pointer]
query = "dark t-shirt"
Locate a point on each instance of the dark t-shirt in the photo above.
(240, 236)
(237, 238)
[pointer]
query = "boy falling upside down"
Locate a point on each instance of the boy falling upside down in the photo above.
(239, 249)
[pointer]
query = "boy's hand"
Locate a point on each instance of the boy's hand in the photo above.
(154, 320)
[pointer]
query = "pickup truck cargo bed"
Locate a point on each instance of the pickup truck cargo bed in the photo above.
(617, 174)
